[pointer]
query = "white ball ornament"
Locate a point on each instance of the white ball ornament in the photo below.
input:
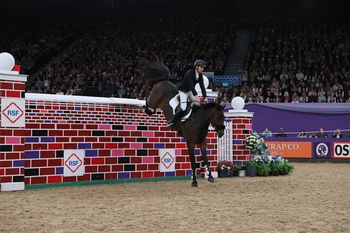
(7, 61)
(237, 103)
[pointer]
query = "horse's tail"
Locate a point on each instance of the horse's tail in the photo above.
(156, 70)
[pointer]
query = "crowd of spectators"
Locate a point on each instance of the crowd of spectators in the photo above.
(295, 62)
(107, 59)
(287, 60)
(33, 44)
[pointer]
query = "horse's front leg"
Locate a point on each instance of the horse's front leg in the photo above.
(147, 109)
(190, 148)
(203, 146)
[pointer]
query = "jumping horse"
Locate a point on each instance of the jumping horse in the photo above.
(195, 128)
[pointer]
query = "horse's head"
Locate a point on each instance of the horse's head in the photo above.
(217, 118)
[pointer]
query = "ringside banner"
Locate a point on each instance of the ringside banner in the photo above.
(12, 112)
(341, 150)
(290, 149)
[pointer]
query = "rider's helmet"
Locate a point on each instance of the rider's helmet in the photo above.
(199, 63)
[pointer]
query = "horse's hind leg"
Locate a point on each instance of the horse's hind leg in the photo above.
(190, 148)
(203, 147)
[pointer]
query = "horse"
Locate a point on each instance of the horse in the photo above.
(195, 128)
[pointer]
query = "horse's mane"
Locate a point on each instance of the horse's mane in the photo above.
(156, 70)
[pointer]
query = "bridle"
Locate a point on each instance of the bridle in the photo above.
(216, 127)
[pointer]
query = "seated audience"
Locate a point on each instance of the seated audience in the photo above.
(301, 134)
(337, 134)
(322, 134)
(267, 133)
(281, 133)
(313, 135)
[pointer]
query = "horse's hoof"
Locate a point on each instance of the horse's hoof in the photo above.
(194, 185)
(211, 179)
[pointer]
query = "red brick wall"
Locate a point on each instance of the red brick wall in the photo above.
(119, 141)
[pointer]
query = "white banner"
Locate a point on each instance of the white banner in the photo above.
(74, 163)
(167, 160)
(13, 112)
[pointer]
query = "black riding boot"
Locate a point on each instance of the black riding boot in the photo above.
(176, 115)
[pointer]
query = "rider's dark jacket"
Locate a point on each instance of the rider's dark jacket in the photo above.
(189, 81)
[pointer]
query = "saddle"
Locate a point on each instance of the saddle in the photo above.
(175, 104)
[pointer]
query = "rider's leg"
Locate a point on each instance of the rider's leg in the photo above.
(183, 103)
(193, 99)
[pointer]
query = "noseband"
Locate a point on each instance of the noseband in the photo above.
(216, 127)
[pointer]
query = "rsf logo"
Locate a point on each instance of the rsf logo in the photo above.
(167, 160)
(73, 163)
(13, 112)
(341, 150)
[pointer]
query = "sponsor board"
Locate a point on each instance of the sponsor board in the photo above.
(341, 150)
(167, 160)
(322, 150)
(290, 149)
(13, 112)
(73, 163)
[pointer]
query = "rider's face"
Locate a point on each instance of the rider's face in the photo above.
(200, 69)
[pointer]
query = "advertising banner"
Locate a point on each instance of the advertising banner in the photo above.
(13, 112)
(290, 149)
(322, 150)
(341, 150)
(74, 163)
(167, 160)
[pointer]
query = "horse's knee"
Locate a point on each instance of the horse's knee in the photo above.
(148, 111)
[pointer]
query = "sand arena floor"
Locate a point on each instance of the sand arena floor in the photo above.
(315, 198)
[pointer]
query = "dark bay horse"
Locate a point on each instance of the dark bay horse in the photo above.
(195, 128)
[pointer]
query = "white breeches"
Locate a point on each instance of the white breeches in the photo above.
(183, 99)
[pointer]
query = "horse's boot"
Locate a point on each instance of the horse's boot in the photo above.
(176, 115)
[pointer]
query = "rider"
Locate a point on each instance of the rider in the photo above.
(187, 89)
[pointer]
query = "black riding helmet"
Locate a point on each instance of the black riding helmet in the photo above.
(199, 63)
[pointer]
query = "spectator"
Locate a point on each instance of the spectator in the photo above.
(321, 98)
(39, 83)
(322, 134)
(337, 134)
(301, 134)
(299, 76)
(313, 135)
(295, 100)
(267, 133)
(60, 92)
(281, 133)
(121, 92)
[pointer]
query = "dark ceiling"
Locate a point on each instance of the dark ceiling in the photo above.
(23, 9)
